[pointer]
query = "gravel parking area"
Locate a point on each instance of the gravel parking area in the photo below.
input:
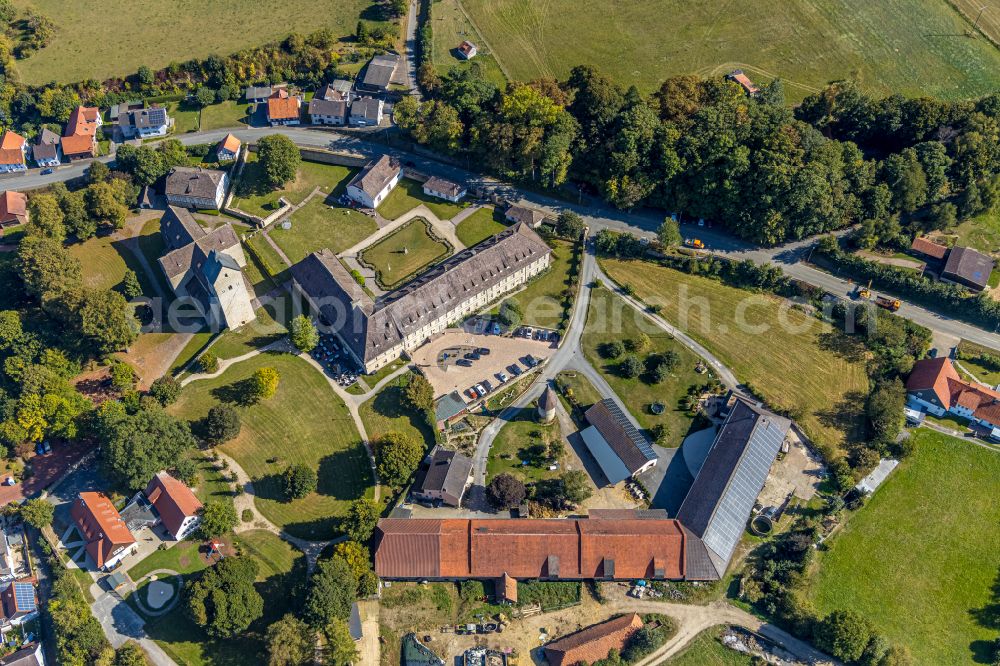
(503, 352)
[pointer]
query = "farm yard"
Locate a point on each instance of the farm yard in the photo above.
(920, 560)
(515, 443)
(85, 48)
(290, 428)
(913, 47)
(403, 253)
(802, 367)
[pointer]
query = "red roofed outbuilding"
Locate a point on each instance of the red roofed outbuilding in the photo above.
(177, 506)
(102, 528)
(593, 643)
(13, 209)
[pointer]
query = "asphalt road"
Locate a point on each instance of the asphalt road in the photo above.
(596, 215)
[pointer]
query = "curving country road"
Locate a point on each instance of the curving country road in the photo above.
(596, 215)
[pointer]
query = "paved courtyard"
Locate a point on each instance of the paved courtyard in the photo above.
(503, 352)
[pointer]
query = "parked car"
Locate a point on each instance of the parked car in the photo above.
(514, 369)
(486, 383)
(46, 172)
(471, 392)
(529, 361)
(496, 328)
(473, 356)
(502, 376)
(480, 390)
(483, 350)
(464, 363)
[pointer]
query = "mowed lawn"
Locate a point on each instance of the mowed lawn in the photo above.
(102, 261)
(914, 47)
(981, 232)
(280, 581)
(403, 253)
(304, 423)
(230, 113)
(409, 194)
(610, 319)
(389, 412)
(542, 300)
(795, 362)
(921, 559)
(84, 48)
(707, 650)
(520, 433)
(254, 196)
(485, 222)
(317, 225)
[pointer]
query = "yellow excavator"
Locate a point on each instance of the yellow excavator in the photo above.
(865, 292)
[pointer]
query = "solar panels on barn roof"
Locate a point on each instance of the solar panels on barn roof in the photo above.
(24, 595)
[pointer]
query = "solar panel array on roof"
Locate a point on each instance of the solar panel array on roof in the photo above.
(24, 594)
(633, 433)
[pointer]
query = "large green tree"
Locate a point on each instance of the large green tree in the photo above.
(843, 634)
(303, 334)
(279, 157)
(137, 446)
(331, 592)
(362, 517)
(397, 455)
(46, 217)
(290, 642)
(107, 320)
(223, 601)
(218, 518)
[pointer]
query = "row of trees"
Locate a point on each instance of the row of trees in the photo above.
(702, 148)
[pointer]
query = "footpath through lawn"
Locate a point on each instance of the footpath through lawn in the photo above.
(305, 422)
(795, 362)
(921, 559)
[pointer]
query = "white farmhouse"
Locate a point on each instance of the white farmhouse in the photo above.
(373, 183)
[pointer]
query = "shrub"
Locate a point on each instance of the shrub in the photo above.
(247, 515)
(222, 424)
(208, 362)
(166, 389)
(506, 491)
(612, 350)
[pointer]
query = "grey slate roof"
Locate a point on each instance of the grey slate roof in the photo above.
(178, 227)
(443, 186)
(376, 175)
(325, 107)
(47, 146)
(193, 182)
(969, 265)
(719, 503)
(617, 430)
(548, 399)
(365, 107)
(380, 70)
(448, 473)
(23, 657)
(189, 244)
(257, 92)
(526, 215)
(372, 327)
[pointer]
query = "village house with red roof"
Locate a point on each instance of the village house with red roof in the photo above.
(107, 537)
(177, 507)
(13, 149)
(936, 387)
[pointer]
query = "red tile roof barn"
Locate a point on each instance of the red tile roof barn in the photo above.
(528, 548)
(593, 643)
(100, 525)
(933, 374)
(929, 247)
(173, 500)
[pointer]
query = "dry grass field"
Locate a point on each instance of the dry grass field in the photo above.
(791, 359)
(114, 37)
(909, 46)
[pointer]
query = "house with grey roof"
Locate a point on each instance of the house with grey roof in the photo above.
(144, 123)
(529, 216)
(338, 89)
(378, 73)
(968, 268)
(373, 183)
(327, 112)
(207, 267)
(47, 151)
(715, 510)
(376, 331)
(620, 449)
(257, 94)
(194, 187)
(444, 189)
(447, 476)
(366, 112)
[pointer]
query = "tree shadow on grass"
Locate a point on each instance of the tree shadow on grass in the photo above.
(988, 617)
(391, 403)
(847, 415)
(848, 347)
